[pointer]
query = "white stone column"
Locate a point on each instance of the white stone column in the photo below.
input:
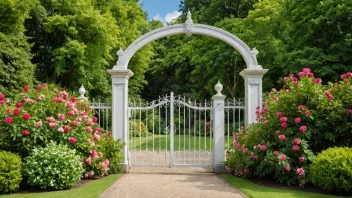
(218, 130)
(120, 109)
(253, 92)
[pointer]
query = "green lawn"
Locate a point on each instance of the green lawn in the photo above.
(253, 190)
(89, 190)
(180, 142)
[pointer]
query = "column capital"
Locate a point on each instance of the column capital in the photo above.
(122, 73)
(216, 97)
(253, 72)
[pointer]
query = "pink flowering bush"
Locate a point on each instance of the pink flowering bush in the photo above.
(295, 122)
(40, 115)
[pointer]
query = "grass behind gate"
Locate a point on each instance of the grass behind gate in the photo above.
(181, 142)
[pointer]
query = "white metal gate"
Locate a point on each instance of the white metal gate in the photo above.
(170, 131)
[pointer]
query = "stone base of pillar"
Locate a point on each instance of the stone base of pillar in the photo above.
(124, 168)
(219, 169)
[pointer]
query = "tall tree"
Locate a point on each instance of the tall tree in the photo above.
(16, 69)
(319, 36)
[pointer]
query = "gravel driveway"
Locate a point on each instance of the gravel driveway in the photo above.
(160, 182)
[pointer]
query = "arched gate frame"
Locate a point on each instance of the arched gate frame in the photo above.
(120, 75)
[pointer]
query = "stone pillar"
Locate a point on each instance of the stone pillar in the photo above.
(253, 92)
(218, 130)
(120, 109)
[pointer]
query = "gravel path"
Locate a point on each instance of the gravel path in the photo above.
(160, 182)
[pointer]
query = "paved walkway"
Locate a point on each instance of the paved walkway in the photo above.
(160, 182)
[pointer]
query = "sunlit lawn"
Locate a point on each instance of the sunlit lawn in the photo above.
(253, 190)
(89, 190)
(181, 142)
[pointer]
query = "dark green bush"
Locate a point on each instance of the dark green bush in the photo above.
(10, 172)
(55, 166)
(331, 170)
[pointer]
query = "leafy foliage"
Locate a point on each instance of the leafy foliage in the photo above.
(16, 69)
(332, 170)
(10, 172)
(62, 167)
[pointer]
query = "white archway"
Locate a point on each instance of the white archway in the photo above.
(120, 75)
(248, 55)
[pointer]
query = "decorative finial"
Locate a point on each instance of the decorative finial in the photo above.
(82, 91)
(120, 52)
(255, 52)
(189, 23)
(218, 88)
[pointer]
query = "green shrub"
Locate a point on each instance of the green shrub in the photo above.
(331, 170)
(10, 172)
(112, 149)
(55, 166)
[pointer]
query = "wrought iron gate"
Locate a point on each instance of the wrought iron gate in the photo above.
(170, 131)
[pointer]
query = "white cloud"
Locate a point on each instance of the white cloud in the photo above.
(172, 16)
(157, 17)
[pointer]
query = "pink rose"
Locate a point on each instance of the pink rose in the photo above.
(238, 145)
(283, 157)
(282, 137)
(306, 70)
(300, 74)
(307, 112)
(301, 107)
(255, 157)
(286, 79)
(66, 128)
(25, 88)
(301, 159)
(317, 81)
(72, 140)
(89, 160)
(94, 119)
(310, 75)
(107, 162)
(26, 116)
(8, 120)
(39, 124)
(300, 171)
(349, 111)
(303, 129)
(16, 112)
(277, 131)
(279, 115)
(61, 117)
(295, 148)
(263, 148)
(276, 153)
(287, 168)
(60, 129)
(284, 125)
(25, 133)
(283, 119)
(74, 123)
(343, 76)
(298, 120)
(349, 74)
(85, 175)
(52, 124)
(297, 141)
(229, 170)
(50, 119)
(96, 137)
(18, 104)
(244, 151)
(91, 173)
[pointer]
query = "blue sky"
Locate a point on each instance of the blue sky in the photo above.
(163, 10)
